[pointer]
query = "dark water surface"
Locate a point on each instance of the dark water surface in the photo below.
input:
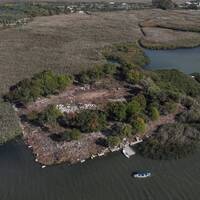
(186, 60)
(107, 178)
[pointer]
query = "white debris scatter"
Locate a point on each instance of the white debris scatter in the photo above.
(74, 108)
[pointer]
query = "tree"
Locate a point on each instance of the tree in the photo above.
(49, 115)
(133, 108)
(113, 141)
(90, 121)
(154, 113)
(134, 76)
(138, 124)
(170, 107)
(117, 111)
(126, 130)
(109, 69)
(140, 98)
(75, 134)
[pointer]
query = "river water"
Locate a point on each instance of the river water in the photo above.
(107, 178)
(186, 60)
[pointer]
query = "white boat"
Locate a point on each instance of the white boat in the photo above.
(125, 153)
(141, 174)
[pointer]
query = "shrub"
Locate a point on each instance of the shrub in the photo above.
(139, 125)
(126, 130)
(113, 141)
(75, 134)
(141, 99)
(178, 82)
(171, 141)
(49, 115)
(170, 107)
(154, 113)
(134, 76)
(90, 121)
(41, 84)
(133, 108)
(117, 111)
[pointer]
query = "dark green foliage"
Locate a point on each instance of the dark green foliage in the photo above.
(178, 82)
(49, 116)
(125, 130)
(169, 107)
(73, 134)
(171, 141)
(117, 111)
(96, 73)
(141, 99)
(134, 76)
(41, 84)
(90, 121)
(113, 141)
(133, 108)
(154, 113)
(138, 124)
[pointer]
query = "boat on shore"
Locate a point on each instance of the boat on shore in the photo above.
(141, 174)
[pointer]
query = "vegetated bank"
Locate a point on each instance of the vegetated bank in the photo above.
(101, 109)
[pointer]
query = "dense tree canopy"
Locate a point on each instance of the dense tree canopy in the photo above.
(41, 84)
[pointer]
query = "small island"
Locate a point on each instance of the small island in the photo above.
(73, 117)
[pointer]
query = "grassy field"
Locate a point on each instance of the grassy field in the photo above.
(70, 43)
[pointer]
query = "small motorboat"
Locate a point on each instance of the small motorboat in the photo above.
(141, 174)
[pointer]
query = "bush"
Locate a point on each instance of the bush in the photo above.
(141, 99)
(97, 72)
(90, 121)
(117, 111)
(154, 113)
(171, 141)
(126, 130)
(178, 82)
(75, 134)
(139, 125)
(41, 84)
(134, 76)
(133, 108)
(49, 116)
(113, 141)
(170, 107)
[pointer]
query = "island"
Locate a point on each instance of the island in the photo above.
(79, 98)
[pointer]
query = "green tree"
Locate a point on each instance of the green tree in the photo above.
(139, 125)
(75, 134)
(133, 108)
(117, 111)
(90, 121)
(134, 76)
(126, 130)
(49, 115)
(113, 141)
(154, 113)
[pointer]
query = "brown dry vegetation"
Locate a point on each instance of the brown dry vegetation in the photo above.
(172, 30)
